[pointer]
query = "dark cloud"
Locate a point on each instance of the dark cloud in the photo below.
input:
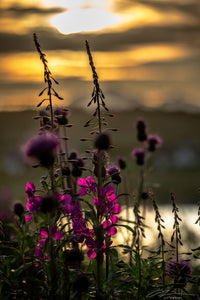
(20, 11)
(51, 39)
(191, 8)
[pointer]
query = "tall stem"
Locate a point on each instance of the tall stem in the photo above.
(99, 257)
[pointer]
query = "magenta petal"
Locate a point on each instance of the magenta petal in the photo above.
(112, 231)
(43, 232)
(114, 219)
(28, 218)
(109, 189)
(58, 235)
(82, 191)
(42, 241)
(82, 182)
(90, 180)
(67, 209)
(28, 206)
(113, 198)
(106, 224)
(116, 209)
(91, 253)
(66, 199)
(96, 201)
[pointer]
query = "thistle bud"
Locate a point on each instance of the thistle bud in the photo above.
(102, 141)
(139, 154)
(19, 209)
(141, 131)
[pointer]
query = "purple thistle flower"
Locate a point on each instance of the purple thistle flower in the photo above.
(139, 154)
(114, 173)
(153, 142)
(42, 147)
(180, 270)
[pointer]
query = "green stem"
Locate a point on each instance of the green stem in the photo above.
(177, 256)
(53, 268)
(50, 104)
(98, 111)
(163, 264)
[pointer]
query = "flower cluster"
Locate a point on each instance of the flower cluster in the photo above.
(34, 202)
(105, 200)
(40, 249)
(46, 203)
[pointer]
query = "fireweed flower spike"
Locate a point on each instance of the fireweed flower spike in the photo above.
(153, 142)
(48, 79)
(34, 202)
(42, 148)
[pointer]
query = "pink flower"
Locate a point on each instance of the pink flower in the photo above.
(28, 218)
(33, 204)
(111, 230)
(30, 190)
(93, 245)
(86, 185)
(65, 202)
(57, 235)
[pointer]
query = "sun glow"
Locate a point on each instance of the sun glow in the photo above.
(81, 20)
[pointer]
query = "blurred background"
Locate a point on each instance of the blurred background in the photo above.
(147, 57)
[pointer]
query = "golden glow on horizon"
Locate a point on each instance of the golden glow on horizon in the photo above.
(112, 66)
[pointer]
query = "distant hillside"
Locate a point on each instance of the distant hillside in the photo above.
(176, 165)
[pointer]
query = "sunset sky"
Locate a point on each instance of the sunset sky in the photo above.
(146, 52)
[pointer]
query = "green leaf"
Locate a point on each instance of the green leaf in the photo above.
(125, 226)
(59, 181)
(44, 185)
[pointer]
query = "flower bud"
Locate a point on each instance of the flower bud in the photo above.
(48, 204)
(139, 154)
(154, 142)
(121, 163)
(141, 131)
(102, 141)
(18, 209)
